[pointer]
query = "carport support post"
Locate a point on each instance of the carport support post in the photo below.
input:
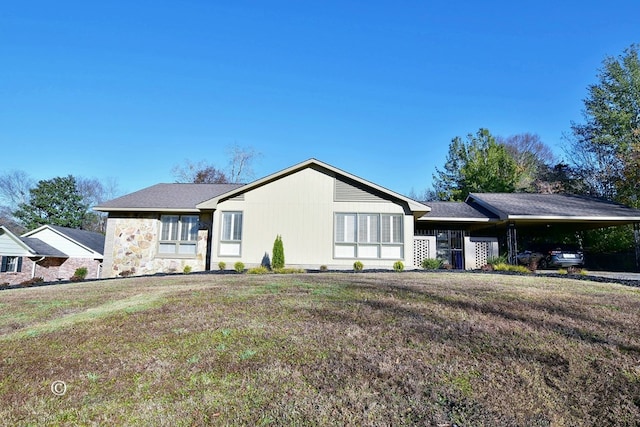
(512, 244)
(636, 237)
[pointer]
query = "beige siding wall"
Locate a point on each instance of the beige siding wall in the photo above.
(300, 207)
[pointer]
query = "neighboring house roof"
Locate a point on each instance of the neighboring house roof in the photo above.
(167, 198)
(457, 212)
(41, 248)
(46, 244)
(533, 206)
(12, 245)
(414, 206)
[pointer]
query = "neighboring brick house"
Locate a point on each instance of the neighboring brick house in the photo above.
(50, 252)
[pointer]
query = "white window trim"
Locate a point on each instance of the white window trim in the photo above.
(231, 247)
(365, 245)
(178, 243)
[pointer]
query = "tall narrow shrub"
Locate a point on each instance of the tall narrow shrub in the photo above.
(277, 258)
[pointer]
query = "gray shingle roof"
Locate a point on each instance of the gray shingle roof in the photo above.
(551, 205)
(167, 197)
(43, 249)
(457, 211)
(90, 239)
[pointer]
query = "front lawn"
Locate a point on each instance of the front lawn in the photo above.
(322, 349)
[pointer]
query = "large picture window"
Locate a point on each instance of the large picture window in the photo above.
(368, 235)
(178, 235)
(231, 234)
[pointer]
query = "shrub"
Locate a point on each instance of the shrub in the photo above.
(222, 265)
(358, 266)
(127, 273)
(493, 260)
(398, 266)
(32, 281)
(431, 263)
(187, 269)
(238, 267)
(512, 268)
(277, 258)
(258, 270)
(289, 270)
(323, 268)
(80, 274)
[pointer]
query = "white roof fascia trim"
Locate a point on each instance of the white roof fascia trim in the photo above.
(575, 218)
(449, 219)
(154, 209)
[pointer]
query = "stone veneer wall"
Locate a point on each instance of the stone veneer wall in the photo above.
(51, 270)
(135, 249)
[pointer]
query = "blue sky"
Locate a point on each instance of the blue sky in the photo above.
(130, 89)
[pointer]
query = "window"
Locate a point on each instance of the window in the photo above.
(346, 228)
(391, 229)
(231, 233)
(11, 264)
(368, 236)
(179, 235)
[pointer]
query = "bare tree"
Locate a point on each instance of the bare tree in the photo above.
(532, 157)
(14, 191)
(14, 188)
(94, 192)
(199, 173)
(239, 168)
(240, 163)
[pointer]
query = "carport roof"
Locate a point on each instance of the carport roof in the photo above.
(458, 212)
(553, 207)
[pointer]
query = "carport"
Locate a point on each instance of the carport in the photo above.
(539, 213)
(506, 215)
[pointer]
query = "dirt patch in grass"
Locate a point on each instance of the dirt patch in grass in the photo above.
(322, 349)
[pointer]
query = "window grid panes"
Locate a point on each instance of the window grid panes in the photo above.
(366, 235)
(179, 235)
(232, 226)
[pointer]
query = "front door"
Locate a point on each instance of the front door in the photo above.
(450, 247)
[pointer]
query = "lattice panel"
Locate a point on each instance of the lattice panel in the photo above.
(483, 252)
(420, 251)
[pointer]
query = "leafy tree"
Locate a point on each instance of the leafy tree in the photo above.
(277, 260)
(54, 202)
(479, 164)
(605, 148)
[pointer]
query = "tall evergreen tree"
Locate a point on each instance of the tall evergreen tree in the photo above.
(53, 202)
(277, 260)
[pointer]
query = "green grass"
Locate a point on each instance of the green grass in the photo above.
(322, 349)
